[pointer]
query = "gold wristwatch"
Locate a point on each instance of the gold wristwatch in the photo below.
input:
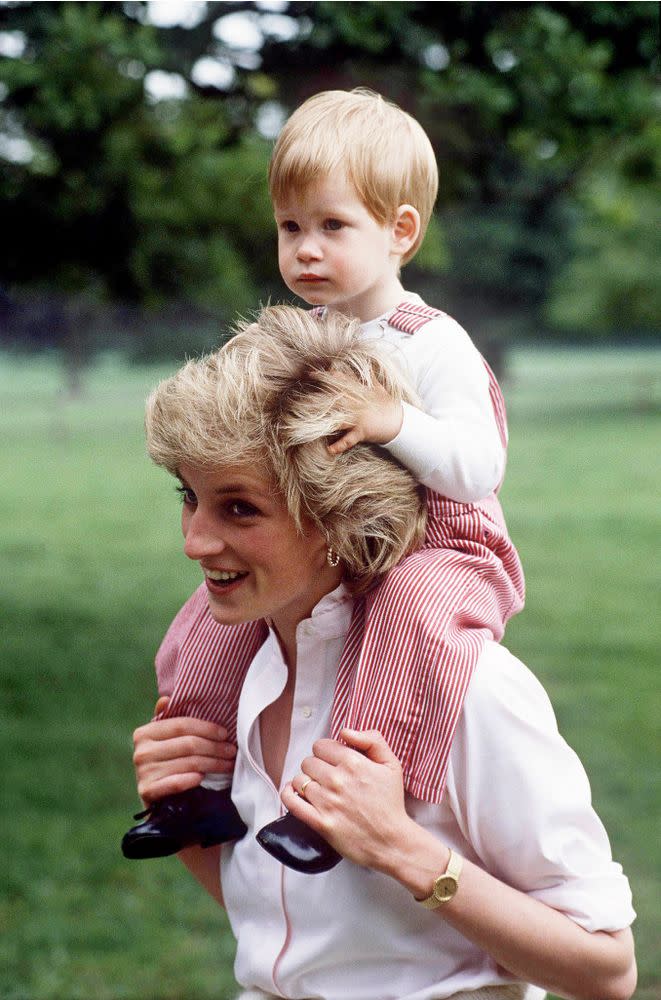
(446, 885)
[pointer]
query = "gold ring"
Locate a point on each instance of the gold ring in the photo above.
(303, 787)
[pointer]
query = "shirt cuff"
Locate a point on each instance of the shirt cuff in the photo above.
(411, 445)
(460, 460)
(595, 903)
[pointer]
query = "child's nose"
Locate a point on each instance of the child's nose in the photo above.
(308, 249)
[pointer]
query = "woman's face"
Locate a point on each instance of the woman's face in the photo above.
(255, 562)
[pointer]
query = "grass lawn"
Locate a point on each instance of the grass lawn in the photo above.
(92, 574)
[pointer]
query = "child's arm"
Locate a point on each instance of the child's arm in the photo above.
(451, 443)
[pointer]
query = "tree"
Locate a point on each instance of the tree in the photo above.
(117, 198)
(540, 115)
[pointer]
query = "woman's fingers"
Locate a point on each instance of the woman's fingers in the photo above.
(172, 755)
(161, 705)
(329, 767)
(153, 790)
(182, 746)
(356, 746)
(370, 743)
(166, 729)
(156, 776)
(301, 807)
(312, 767)
(150, 757)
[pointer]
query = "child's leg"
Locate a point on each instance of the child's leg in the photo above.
(422, 631)
(425, 627)
(200, 667)
(181, 668)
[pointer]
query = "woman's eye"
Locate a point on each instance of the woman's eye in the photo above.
(333, 224)
(240, 508)
(186, 496)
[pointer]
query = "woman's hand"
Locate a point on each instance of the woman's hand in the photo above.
(353, 796)
(173, 755)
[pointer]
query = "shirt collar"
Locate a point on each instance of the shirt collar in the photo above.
(330, 617)
(376, 323)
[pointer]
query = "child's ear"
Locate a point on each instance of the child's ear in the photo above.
(406, 228)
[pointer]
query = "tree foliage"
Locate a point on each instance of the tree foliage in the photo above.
(541, 115)
(123, 198)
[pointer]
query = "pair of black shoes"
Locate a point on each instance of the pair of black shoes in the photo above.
(204, 816)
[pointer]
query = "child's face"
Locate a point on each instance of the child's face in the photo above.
(333, 252)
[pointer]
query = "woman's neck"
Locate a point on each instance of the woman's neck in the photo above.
(275, 727)
(285, 622)
(286, 637)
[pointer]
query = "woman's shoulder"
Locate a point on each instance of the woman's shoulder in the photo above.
(522, 799)
(507, 742)
(503, 681)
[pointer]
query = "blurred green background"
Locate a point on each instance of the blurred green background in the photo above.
(134, 139)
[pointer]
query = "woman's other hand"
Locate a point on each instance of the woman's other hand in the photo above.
(173, 755)
(353, 796)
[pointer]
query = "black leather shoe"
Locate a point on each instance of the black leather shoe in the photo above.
(199, 816)
(296, 845)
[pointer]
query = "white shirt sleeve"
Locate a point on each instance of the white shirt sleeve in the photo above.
(522, 799)
(451, 444)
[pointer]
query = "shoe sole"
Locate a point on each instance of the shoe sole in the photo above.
(141, 848)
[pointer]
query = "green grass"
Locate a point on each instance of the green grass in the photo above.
(92, 574)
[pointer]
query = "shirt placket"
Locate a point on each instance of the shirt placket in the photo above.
(309, 721)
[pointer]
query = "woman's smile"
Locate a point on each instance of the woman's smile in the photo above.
(220, 580)
(256, 562)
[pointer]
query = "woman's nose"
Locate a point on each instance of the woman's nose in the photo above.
(201, 538)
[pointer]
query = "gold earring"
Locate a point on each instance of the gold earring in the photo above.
(332, 557)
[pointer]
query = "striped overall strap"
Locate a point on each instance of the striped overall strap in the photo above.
(409, 317)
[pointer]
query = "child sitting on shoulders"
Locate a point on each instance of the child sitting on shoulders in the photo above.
(353, 180)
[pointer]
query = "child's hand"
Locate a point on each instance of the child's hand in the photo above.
(378, 422)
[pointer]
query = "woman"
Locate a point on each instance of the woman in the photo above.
(509, 881)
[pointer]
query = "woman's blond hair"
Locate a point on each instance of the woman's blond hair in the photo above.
(383, 151)
(273, 397)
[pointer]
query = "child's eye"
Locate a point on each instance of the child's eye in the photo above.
(186, 496)
(289, 226)
(333, 224)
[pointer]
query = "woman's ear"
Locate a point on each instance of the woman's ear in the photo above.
(406, 229)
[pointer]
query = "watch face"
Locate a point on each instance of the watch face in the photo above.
(445, 888)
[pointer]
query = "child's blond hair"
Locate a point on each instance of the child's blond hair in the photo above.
(384, 152)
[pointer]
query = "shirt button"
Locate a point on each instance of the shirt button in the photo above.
(306, 711)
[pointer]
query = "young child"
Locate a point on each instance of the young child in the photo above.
(353, 180)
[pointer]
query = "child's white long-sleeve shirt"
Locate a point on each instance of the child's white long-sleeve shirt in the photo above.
(452, 443)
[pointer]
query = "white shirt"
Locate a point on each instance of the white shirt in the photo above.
(451, 443)
(517, 803)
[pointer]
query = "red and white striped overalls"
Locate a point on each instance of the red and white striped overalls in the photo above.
(413, 642)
